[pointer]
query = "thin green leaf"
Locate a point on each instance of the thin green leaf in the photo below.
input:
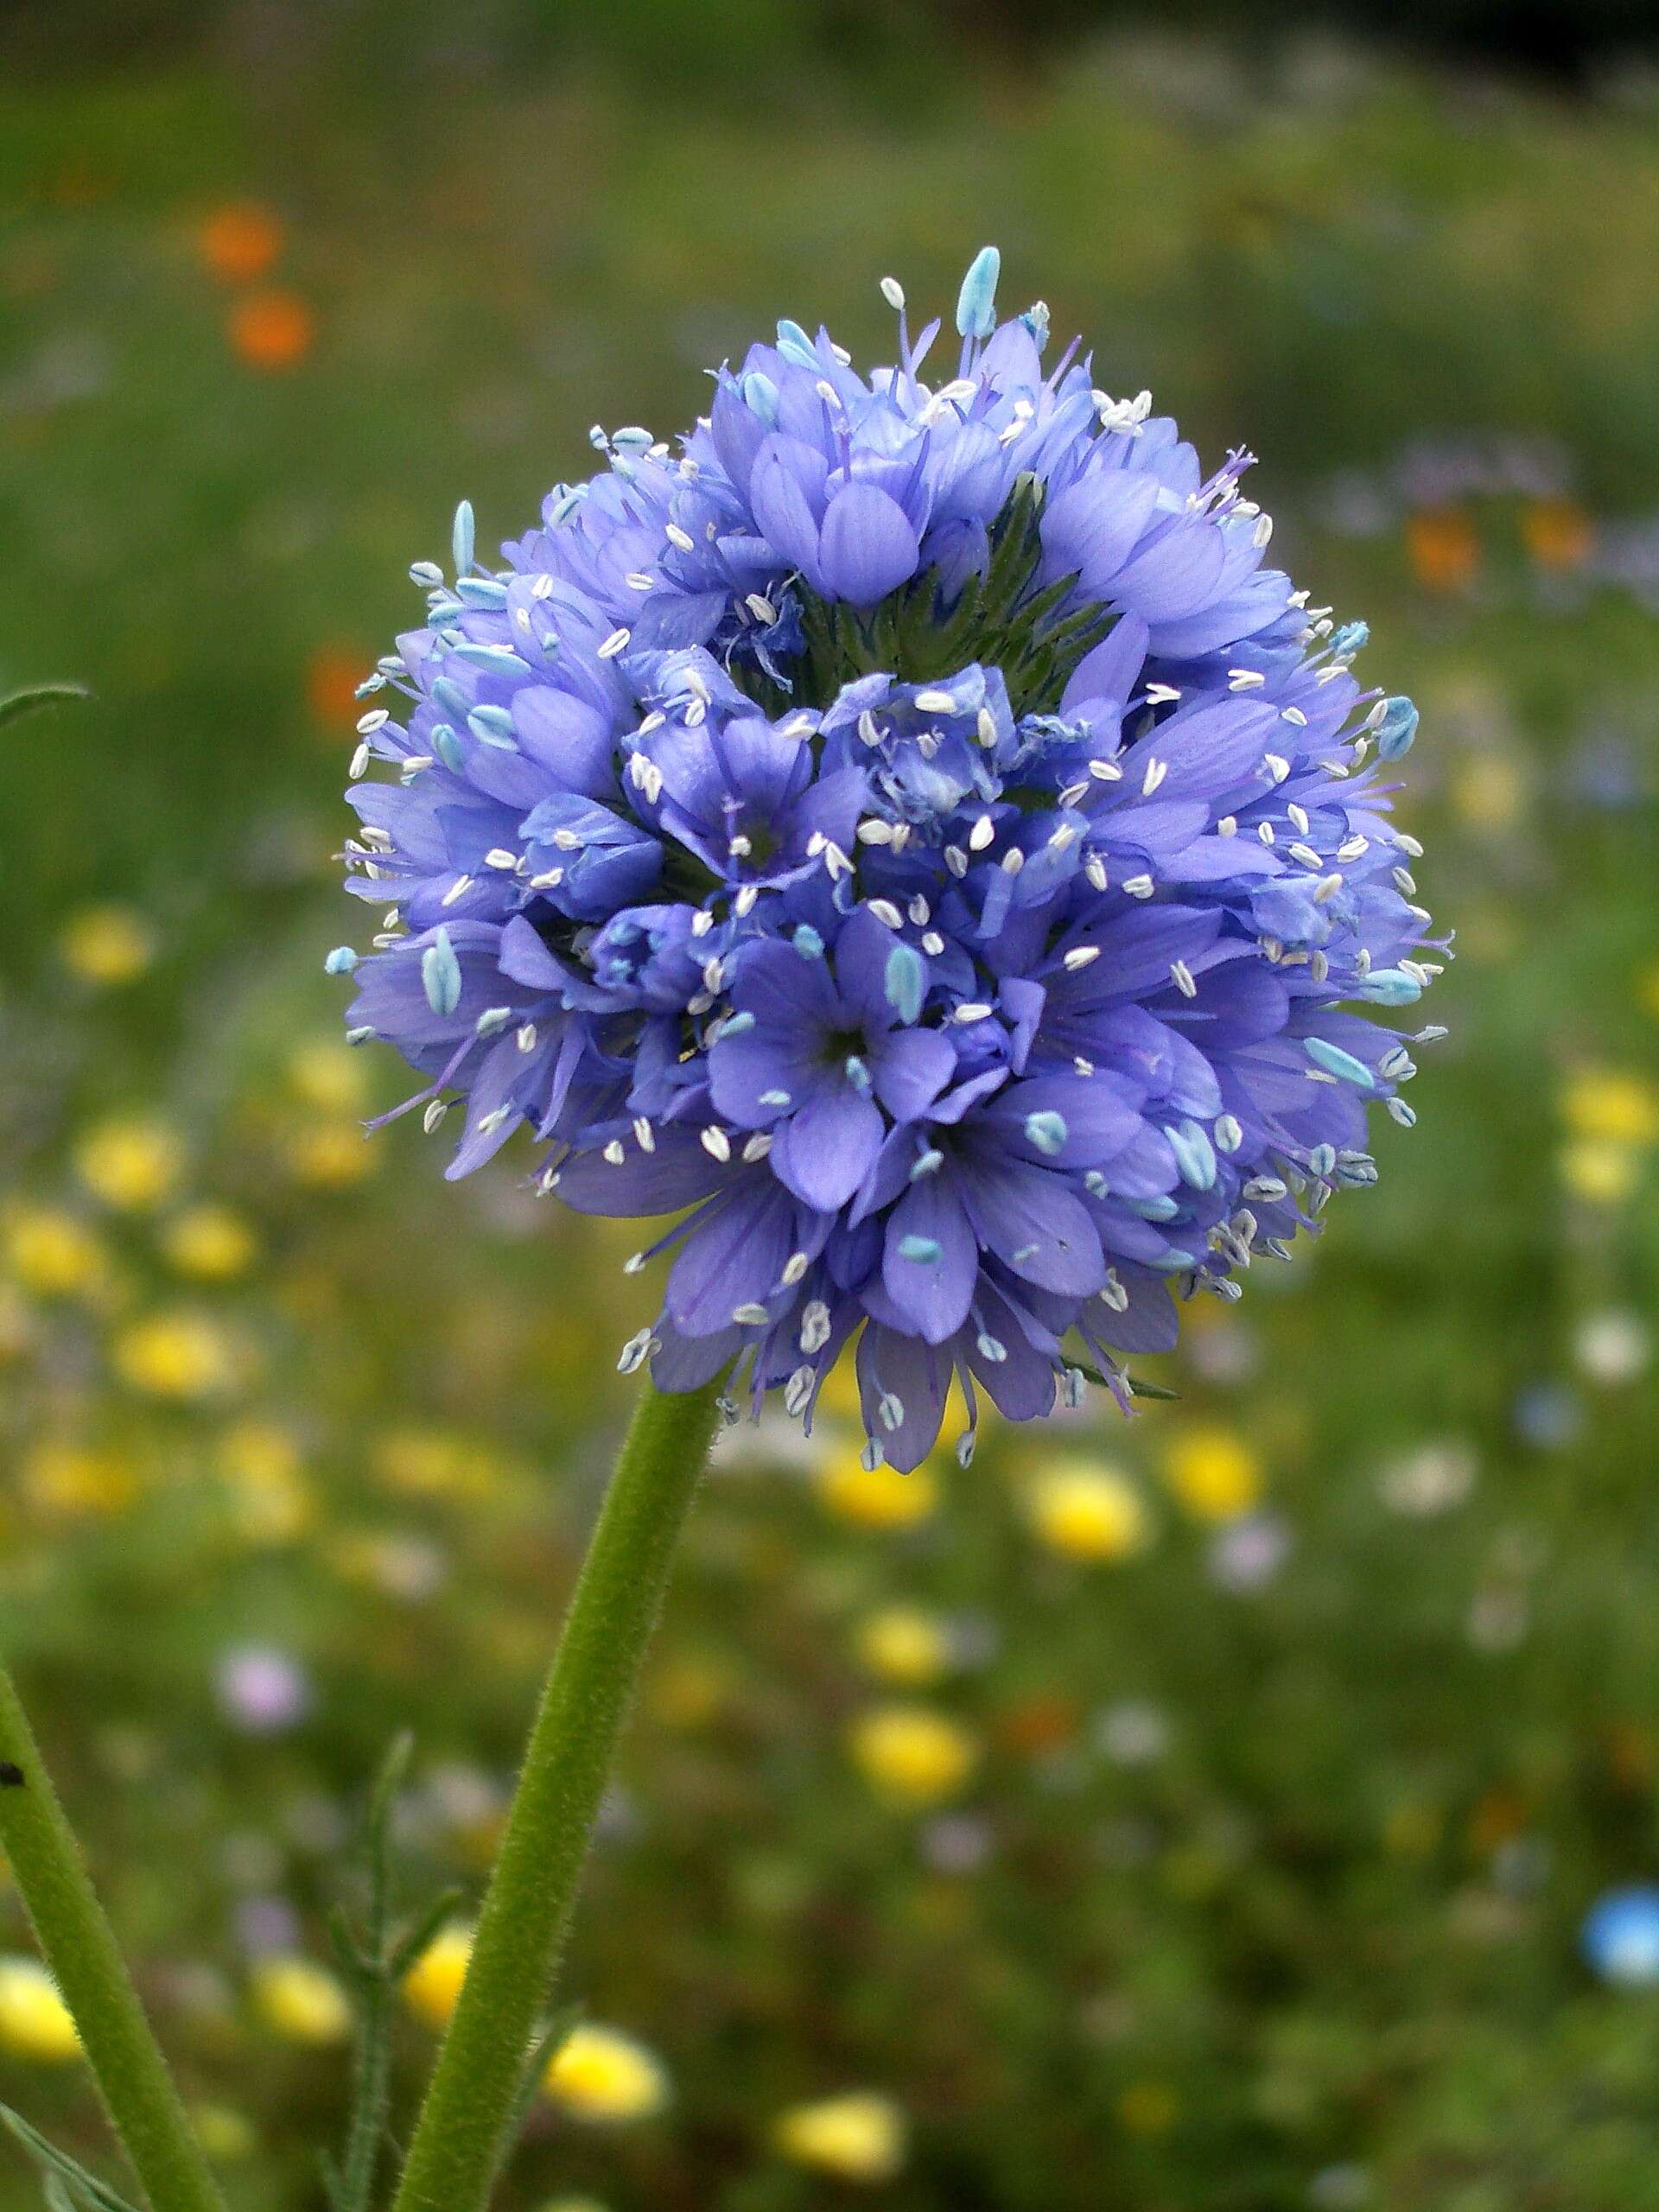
(333, 2188)
(350, 1956)
(422, 1932)
(69, 2173)
(15, 704)
(1140, 1388)
(554, 2035)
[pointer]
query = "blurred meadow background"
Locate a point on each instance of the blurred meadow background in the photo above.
(1198, 1811)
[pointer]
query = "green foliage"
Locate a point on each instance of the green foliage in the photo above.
(921, 634)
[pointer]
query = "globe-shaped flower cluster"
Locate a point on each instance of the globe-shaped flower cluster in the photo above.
(907, 836)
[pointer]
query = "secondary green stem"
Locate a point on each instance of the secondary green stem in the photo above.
(462, 2132)
(125, 2059)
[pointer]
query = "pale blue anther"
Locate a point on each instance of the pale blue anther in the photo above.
(976, 301)
(923, 1251)
(461, 538)
(807, 942)
(795, 345)
(905, 982)
(340, 961)
(759, 396)
(1336, 1062)
(441, 974)
(1396, 729)
(1161, 1207)
(1194, 1154)
(1390, 987)
(493, 726)
(500, 660)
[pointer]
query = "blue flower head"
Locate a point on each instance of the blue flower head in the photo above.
(1620, 1936)
(907, 834)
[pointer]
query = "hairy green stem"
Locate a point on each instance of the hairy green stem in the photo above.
(68, 1922)
(462, 2133)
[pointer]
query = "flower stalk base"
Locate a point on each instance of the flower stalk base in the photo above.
(126, 2062)
(468, 2116)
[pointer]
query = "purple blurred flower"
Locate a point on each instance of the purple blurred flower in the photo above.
(1249, 1552)
(908, 835)
(261, 1690)
(266, 1924)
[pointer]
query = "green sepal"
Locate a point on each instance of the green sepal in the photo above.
(84, 2191)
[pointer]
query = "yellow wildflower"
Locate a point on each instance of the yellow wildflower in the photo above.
(1213, 1471)
(132, 1164)
(330, 1076)
(53, 1253)
(437, 1463)
(904, 1645)
(1087, 1511)
(433, 1983)
(603, 2076)
(1489, 791)
(106, 945)
(874, 1497)
(858, 2136)
(72, 1478)
(298, 2000)
(264, 1470)
(175, 1354)
(35, 2021)
(911, 1755)
(331, 1155)
(1611, 1106)
(209, 1241)
(1599, 1173)
(226, 2135)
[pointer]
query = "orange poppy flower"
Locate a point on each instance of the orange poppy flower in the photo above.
(271, 331)
(1442, 548)
(1557, 533)
(240, 243)
(331, 683)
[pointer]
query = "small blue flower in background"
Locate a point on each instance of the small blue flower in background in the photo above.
(1620, 1935)
(906, 833)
